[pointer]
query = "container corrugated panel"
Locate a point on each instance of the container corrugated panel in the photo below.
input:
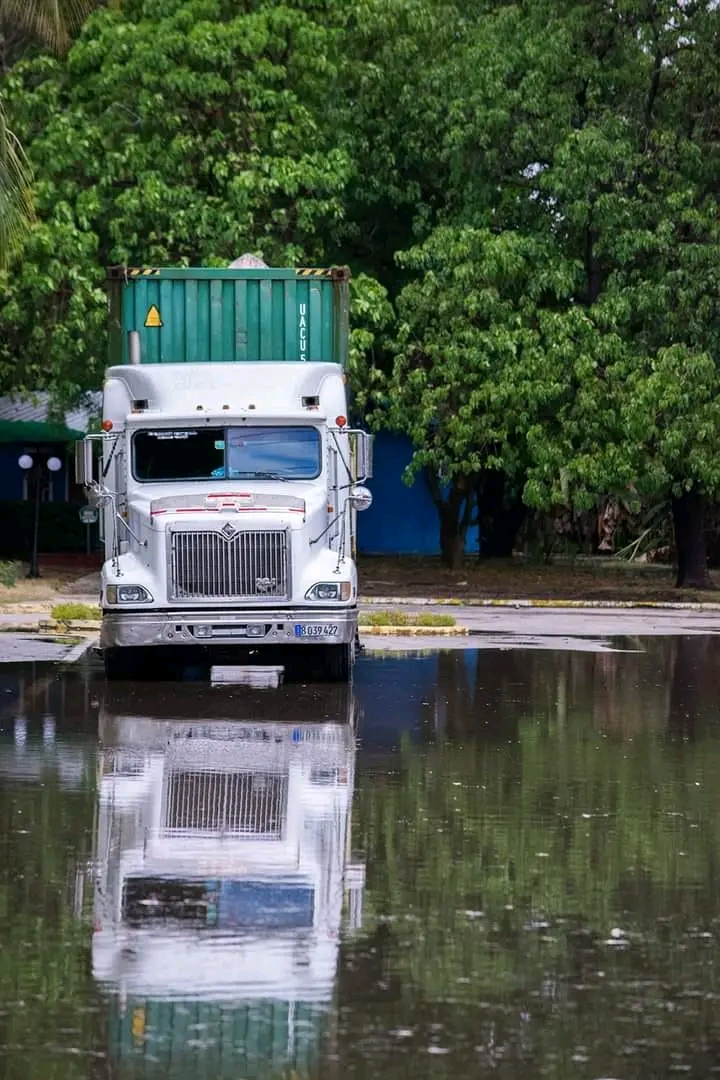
(191, 315)
(151, 1038)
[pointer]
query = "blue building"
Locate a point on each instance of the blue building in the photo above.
(402, 520)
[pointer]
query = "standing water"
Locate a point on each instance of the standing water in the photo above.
(471, 863)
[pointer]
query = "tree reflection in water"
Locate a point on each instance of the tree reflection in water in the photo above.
(544, 860)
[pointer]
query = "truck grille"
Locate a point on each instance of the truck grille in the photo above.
(241, 803)
(229, 565)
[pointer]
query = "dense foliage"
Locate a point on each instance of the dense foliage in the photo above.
(525, 192)
(23, 24)
(563, 323)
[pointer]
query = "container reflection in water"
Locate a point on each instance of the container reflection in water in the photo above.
(222, 877)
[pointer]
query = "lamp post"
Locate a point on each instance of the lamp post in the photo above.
(34, 469)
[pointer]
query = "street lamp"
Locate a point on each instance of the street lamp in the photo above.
(34, 468)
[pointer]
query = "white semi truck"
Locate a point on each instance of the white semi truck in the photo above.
(229, 480)
(222, 874)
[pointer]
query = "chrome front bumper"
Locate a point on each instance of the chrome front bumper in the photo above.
(301, 626)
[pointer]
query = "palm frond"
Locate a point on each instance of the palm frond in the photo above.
(51, 21)
(16, 207)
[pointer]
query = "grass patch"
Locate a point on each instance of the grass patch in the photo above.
(403, 618)
(69, 611)
(9, 573)
(427, 618)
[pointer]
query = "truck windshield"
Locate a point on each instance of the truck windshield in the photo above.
(236, 453)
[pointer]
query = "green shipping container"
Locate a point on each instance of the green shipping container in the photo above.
(190, 315)
(188, 1040)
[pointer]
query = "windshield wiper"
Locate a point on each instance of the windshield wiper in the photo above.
(256, 476)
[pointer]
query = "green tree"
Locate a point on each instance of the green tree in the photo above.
(478, 349)
(50, 22)
(583, 136)
(183, 136)
(193, 136)
(392, 114)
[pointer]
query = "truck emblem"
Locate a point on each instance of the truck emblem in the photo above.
(265, 584)
(228, 530)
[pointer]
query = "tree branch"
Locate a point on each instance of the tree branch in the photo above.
(652, 93)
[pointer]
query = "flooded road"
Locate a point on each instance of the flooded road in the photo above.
(473, 863)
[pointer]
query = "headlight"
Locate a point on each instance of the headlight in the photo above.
(127, 594)
(330, 590)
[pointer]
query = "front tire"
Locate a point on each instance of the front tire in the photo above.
(146, 665)
(337, 662)
(121, 665)
(320, 663)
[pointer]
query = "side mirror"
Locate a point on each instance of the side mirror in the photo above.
(84, 462)
(360, 497)
(363, 453)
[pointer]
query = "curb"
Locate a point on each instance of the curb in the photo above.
(78, 651)
(414, 631)
(602, 605)
(48, 626)
(70, 626)
(25, 609)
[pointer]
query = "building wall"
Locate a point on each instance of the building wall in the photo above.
(402, 520)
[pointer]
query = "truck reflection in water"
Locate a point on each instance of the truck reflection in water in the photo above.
(223, 876)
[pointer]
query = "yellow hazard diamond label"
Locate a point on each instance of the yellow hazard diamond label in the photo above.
(153, 317)
(138, 1024)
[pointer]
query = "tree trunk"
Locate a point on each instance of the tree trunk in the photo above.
(692, 685)
(454, 504)
(452, 538)
(500, 513)
(689, 525)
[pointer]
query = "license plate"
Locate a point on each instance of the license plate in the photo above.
(316, 630)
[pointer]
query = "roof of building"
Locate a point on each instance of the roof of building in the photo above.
(26, 419)
(32, 431)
